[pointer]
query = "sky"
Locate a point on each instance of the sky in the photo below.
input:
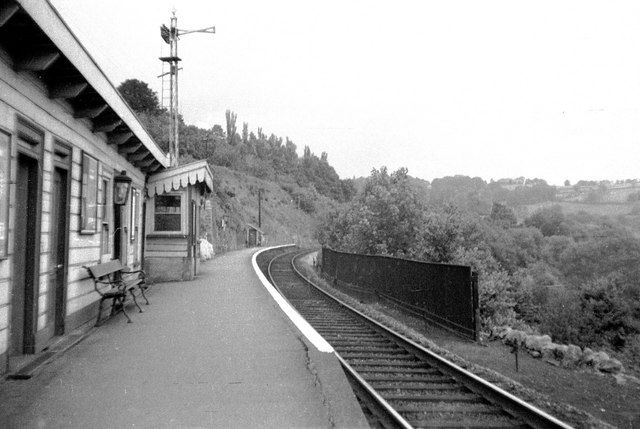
(547, 89)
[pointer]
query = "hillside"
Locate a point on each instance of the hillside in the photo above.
(234, 204)
(295, 189)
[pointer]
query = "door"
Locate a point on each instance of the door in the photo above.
(23, 299)
(60, 232)
(118, 240)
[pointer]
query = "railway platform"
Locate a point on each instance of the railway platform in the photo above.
(213, 352)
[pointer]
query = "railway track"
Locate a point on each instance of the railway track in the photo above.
(398, 382)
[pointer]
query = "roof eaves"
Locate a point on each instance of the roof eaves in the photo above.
(47, 17)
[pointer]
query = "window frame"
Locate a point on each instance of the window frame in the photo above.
(5, 199)
(85, 192)
(106, 214)
(181, 231)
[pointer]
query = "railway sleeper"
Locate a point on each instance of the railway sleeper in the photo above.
(360, 329)
(447, 407)
(398, 371)
(411, 377)
(378, 355)
(435, 423)
(410, 385)
(350, 332)
(431, 397)
(360, 349)
(365, 345)
(386, 363)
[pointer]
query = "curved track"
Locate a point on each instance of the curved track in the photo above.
(398, 381)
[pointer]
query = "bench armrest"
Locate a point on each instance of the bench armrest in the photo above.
(114, 284)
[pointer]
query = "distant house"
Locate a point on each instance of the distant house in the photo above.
(66, 137)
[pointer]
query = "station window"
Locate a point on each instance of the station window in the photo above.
(5, 159)
(104, 215)
(168, 214)
(89, 209)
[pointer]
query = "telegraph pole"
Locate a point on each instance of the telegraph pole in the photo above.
(259, 208)
(170, 36)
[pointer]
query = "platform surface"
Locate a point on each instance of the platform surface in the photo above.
(213, 352)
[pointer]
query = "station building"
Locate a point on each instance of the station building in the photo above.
(67, 138)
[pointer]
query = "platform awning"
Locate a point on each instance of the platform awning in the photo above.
(174, 178)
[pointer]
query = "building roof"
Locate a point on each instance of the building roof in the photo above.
(180, 176)
(252, 226)
(40, 43)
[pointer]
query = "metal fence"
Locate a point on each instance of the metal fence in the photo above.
(445, 294)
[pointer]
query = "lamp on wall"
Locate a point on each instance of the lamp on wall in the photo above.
(121, 184)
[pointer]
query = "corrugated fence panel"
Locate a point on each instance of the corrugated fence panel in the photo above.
(443, 293)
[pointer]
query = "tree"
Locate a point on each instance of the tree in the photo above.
(567, 183)
(384, 219)
(549, 220)
(231, 126)
(503, 215)
(245, 133)
(158, 125)
(139, 96)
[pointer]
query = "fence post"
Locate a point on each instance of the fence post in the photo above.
(476, 305)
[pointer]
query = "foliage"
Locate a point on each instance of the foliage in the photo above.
(476, 195)
(383, 219)
(231, 127)
(462, 191)
(266, 157)
(497, 306)
(139, 96)
(549, 220)
(573, 276)
(502, 215)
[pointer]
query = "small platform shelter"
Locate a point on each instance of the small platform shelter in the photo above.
(175, 198)
(255, 236)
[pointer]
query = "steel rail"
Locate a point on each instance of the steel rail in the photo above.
(374, 395)
(390, 414)
(530, 414)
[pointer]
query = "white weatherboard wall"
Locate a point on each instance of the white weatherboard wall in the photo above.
(25, 97)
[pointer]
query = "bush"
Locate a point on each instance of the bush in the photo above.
(561, 317)
(598, 315)
(549, 220)
(533, 286)
(496, 300)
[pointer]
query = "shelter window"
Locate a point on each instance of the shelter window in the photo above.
(5, 159)
(168, 213)
(89, 209)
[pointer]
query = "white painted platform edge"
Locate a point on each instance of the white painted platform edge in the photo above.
(303, 326)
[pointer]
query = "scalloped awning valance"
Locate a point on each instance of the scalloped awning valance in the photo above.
(174, 178)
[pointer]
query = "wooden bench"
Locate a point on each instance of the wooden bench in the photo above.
(122, 281)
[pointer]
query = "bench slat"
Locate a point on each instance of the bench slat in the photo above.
(105, 269)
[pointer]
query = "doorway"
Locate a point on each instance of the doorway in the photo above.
(24, 297)
(60, 232)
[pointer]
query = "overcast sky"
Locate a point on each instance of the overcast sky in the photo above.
(495, 89)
